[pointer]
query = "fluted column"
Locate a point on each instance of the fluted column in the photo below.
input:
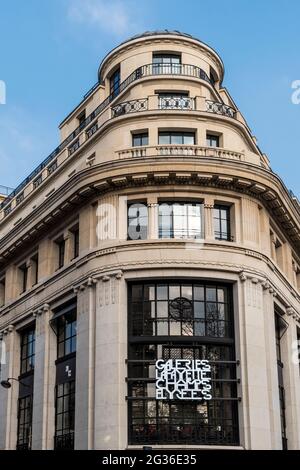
(10, 367)
(152, 218)
(209, 233)
(256, 428)
(44, 381)
(85, 365)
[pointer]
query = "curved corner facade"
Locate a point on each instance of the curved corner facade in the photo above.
(150, 270)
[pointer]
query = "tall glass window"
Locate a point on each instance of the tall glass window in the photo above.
(181, 320)
(180, 220)
(26, 377)
(222, 222)
(280, 328)
(137, 221)
(115, 80)
(66, 334)
(65, 415)
(166, 63)
(176, 138)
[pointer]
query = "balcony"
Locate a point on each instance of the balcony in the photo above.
(180, 150)
(220, 108)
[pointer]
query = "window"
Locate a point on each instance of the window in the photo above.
(76, 242)
(140, 139)
(280, 328)
(35, 269)
(2, 291)
(61, 245)
(175, 101)
(19, 198)
(37, 182)
(24, 423)
(24, 277)
(176, 138)
(180, 220)
(137, 221)
(222, 222)
(66, 334)
(65, 415)
(52, 167)
(212, 140)
(276, 249)
(115, 83)
(296, 271)
(181, 320)
(166, 63)
(81, 119)
(27, 351)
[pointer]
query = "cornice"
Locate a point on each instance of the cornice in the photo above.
(119, 175)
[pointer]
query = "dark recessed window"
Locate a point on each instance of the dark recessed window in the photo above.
(140, 139)
(176, 138)
(222, 222)
(180, 220)
(27, 351)
(114, 82)
(52, 167)
(81, 119)
(76, 242)
(137, 221)
(24, 277)
(2, 291)
(212, 140)
(166, 63)
(181, 320)
(61, 245)
(24, 433)
(19, 198)
(280, 328)
(37, 182)
(65, 415)
(66, 334)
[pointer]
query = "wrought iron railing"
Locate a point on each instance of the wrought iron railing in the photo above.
(139, 73)
(132, 106)
(176, 102)
(220, 108)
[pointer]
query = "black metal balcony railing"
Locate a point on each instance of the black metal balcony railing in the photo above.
(220, 108)
(139, 73)
(132, 106)
(176, 102)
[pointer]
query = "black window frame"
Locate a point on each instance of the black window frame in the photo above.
(64, 434)
(280, 328)
(172, 135)
(24, 429)
(24, 279)
(172, 233)
(211, 138)
(143, 235)
(27, 350)
(114, 83)
(61, 246)
(66, 328)
(220, 234)
(183, 423)
(140, 139)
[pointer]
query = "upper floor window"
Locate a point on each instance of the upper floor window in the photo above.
(212, 140)
(66, 334)
(176, 138)
(35, 269)
(180, 220)
(140, 139)
(137, 221)
(2, 291)
(75, 242)
(61, 245)
(296, 271)
(175, 101)
(81, 118)
(114, 82)
(222, 222)
(24, 277)
(27, 350)
(276, 249)
(37, 182)
(52, 167)
(166, 63)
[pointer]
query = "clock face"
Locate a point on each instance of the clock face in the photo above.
(181, 309)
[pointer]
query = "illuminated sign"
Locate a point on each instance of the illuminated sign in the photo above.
(183, 379)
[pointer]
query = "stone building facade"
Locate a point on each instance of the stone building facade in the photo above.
(156, 230)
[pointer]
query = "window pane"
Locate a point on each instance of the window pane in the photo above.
(176, 139)
(189, 139)
(164, 139)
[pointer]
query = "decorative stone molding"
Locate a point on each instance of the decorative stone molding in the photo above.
(243, 277)
(7, 331)
(90, 282)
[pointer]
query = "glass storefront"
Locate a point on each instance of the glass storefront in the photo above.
(181, 320)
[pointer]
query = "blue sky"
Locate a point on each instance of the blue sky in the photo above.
(50, 51)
